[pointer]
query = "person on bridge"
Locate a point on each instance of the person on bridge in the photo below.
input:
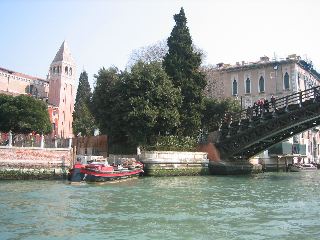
(261, 106)
(273, 102)
(249, 112)
(266, 105)
(256, 108)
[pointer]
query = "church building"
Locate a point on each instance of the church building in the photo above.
(58, 89)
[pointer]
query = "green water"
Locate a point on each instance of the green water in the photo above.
(264, 206)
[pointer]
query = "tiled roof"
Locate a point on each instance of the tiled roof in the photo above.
(64, 54)
(22, 75)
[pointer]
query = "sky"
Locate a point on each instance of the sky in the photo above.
(103, 33)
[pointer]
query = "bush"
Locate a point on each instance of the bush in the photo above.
(172, 143)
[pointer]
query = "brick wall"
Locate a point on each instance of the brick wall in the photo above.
(34, 163)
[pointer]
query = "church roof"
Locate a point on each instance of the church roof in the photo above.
(64, 54)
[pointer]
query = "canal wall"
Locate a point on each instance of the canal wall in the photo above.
(34, 163)
(218, 166)
(172, 163)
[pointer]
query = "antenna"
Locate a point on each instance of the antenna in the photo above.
(275, 58)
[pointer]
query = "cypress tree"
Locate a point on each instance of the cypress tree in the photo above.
(83, 121)
(84, 89)
(182, 64)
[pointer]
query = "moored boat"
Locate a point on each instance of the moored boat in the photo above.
(103, 172)
(302, 167)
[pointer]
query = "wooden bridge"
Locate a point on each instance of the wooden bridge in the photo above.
(244, 134)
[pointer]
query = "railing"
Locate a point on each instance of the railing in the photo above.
(29, 140)
(275, 106)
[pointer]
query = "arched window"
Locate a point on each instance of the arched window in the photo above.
(58, 70)
(234, 87)
(66, 70)
(286, 81)
(261, 84)
(248, 85)
(54, 70)
(70, 71)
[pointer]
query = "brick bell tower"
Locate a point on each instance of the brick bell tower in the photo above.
(62, 90)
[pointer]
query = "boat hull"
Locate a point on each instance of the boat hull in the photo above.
(302, 168)
(90, 176)
(82, 173)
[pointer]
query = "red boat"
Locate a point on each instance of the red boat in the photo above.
(103, 172)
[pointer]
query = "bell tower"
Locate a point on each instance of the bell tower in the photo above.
(62, 90)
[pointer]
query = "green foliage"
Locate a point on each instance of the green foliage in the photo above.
(23, 114)
(84, 89)
(215, 110)
(83, 121)
(172, 143)
(107, 103)
(152, 102)
(133, 107)
(182, 64)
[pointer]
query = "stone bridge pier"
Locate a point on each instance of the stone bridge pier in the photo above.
(228, 166)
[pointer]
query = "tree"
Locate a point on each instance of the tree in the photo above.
(83, 121)
(182, 64)
(134, 107)
(153, 103)
(215, 87)
(105, 99)
(155, 53)
(24, 114)
(152, 53)
(215, 110)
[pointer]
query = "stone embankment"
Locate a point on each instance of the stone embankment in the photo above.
(34, 163)
(171, 163)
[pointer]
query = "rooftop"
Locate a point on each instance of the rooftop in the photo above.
(265, 61)
(22, 75)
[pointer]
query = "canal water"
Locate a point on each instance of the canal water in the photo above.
(263, 206)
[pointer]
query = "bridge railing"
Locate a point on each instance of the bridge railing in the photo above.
(275, 106)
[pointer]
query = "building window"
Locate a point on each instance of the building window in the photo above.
(261, 84)
(286, 81)
(234, 87)
(66, 70)
(70, 71)
(248, 85)
(54, 70)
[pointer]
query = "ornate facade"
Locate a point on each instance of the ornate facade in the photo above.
(249, 82)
